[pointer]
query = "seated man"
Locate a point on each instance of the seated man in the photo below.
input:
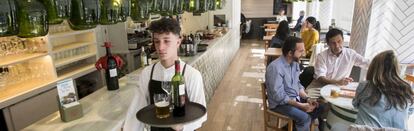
(284, 89)
(334, 65)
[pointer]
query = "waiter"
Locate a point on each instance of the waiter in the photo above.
(167, 40)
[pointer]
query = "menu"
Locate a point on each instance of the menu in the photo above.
(67, 93)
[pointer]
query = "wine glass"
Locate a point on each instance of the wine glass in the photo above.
(166, 86)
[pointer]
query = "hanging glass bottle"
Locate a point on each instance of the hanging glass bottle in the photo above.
(166, 7)
(192, 5)
(201, 6)
(31, 18)
(219, 4)
(156, 6)
(8, 23)
(84, 14)
(124, 10)
(109, 11)
(179, 7)
(57, 10)
(212, 5)
(140, 10)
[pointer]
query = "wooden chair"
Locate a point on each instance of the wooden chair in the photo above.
(267, 114)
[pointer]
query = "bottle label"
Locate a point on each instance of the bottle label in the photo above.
(113, 72)
(181, 89)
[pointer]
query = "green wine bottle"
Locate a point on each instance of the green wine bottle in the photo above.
(192, 5)
(156, 6)
(8, 18)
(219, 4)
(109, 11)
(212, 5)
(56, 10)
(201, 6)
(84, 14)
(140, 10)
(179, 94)
(31, 18)
(124, 10)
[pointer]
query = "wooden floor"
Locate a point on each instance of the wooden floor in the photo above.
(237, 104)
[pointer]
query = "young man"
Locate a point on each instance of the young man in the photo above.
(286, 95)
(334, 65)
(166, 37)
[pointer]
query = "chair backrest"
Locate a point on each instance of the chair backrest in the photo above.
(264, 97)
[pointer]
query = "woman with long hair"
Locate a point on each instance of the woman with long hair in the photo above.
(384, 99)
(310, 34)
(282, 32)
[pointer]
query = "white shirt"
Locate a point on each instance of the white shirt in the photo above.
(195, 91)
(280, 18)
(335, 68)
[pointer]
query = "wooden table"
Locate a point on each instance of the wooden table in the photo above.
(267, 40)
(272, 54)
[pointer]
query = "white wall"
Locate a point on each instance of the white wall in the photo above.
(343, 13)
(257, 8)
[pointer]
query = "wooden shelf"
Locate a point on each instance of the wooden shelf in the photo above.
(70, 33)
(66, 61)
(14, 59)
(15, 93)
(70, 46)
(76, 71)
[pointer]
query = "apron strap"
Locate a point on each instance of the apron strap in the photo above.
(152, 71)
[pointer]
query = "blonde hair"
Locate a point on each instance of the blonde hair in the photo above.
(383, 78)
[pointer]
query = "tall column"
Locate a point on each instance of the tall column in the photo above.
(325, 13)
(380, 25)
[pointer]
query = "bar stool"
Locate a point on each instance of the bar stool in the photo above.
(267, 114)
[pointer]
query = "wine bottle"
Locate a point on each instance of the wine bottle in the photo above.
(149, 59)
(143, 57)
(111, 73)
(140, 10)
(31, 18)
(179, 94)
(8, 18)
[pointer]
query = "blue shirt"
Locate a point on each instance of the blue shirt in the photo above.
(282, 82)
(376, 115)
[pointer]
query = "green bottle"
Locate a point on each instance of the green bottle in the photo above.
(8, 18)
(201, 6)
(109, 11)
(179, 7)
(156, 6)
(124, 10)
(140, 10)
(84, 14)
(166, 7)
(219, 4)
(212, 5)
(179, 94)
(31, 18)
(192, 5)
(57, 10)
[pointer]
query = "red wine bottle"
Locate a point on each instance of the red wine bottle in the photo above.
(111, 73)
(179, 94)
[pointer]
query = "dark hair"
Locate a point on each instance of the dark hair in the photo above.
(290, 44)
(165, 25)
(283, 30)
(332, 33)
(383, 79)
(315, 23)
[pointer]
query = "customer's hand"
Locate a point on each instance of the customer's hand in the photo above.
(313, 102)
(306, 107)
(345, 81)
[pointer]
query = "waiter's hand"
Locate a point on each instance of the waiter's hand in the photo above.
(178, 127)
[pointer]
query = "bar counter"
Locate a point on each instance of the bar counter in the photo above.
(107, 110)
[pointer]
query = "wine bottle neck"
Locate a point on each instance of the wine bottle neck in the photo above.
(108, 51)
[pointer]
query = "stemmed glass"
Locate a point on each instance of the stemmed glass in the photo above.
(166, 86)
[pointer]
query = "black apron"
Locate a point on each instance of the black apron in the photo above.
(154, 87)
